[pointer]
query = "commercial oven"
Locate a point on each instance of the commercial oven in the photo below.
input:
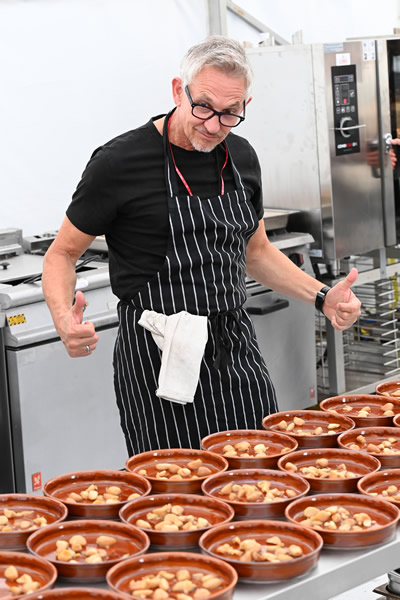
(57, 414)
(314, 122)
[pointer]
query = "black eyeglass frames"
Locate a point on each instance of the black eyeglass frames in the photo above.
(204, 112)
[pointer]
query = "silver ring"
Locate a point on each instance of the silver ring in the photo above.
(87, 349)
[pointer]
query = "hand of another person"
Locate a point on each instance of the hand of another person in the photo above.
(341, 306)
(392, 154)
(79, 338)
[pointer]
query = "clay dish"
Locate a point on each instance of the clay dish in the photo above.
(396, 421)
(129, 483)
(376, 436)
(263, 570)
(130, 541)
(214, 510)
(313, 419)
(384, 513)
(149, 465)
(351, 405)
(48, 508)
(377, 484)
(39, 569)
(389, 388)
(277, 445)
(118, 577)
(78, 593)
(259, 509)
(356, 463)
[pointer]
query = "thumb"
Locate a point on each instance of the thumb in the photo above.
(350, 279)
(77, 309)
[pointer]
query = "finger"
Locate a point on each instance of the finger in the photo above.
(349, 280)
(77, 309)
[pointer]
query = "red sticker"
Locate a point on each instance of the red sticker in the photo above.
(36, 482)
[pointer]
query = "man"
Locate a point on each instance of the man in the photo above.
(180, 203)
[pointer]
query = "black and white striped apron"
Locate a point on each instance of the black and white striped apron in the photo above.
(203, 274)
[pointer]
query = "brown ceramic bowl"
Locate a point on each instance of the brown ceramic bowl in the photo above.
(118, 577)
(312, 420)
(374, 435)
(78, 593)
(396, 421)
(131, 541)
(350, 405)
(148, 465)
(129, 483)
(257, 509)
(389, 389)
(52, 510)
(214, 510)
(377, 484)
(39, 569)
(357, 463)
(384, 513)
(265, 571)
(277, 445)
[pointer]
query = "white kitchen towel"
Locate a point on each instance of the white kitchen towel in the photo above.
(182, 337)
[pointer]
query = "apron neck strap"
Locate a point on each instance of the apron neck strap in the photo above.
(171, 173)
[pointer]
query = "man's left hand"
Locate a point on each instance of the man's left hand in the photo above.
(341, 306)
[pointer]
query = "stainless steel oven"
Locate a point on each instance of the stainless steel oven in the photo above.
(314, 122)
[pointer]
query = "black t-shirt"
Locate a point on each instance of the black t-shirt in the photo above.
(122, 194)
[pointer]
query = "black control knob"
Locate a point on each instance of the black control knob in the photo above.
(345, 124)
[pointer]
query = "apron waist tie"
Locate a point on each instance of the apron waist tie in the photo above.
(219, 327)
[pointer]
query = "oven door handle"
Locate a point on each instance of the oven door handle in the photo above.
(260, 305)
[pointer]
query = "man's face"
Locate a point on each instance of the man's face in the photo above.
(216, 90)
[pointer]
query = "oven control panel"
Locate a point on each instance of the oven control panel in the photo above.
(345, 110)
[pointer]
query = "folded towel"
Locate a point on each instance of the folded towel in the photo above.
(182, 338)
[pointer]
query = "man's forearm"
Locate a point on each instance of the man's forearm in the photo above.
(58, 282)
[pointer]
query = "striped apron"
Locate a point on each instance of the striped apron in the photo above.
(203, 274)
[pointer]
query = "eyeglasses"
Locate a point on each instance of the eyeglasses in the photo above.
(204, 112)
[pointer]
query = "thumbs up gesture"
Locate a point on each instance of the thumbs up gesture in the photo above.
(79, 338)
(341, 306)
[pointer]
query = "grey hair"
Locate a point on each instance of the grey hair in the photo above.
(220, 52)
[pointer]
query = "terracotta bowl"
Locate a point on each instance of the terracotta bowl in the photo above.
(129, 483)
(313, 419)
(396, 421)
(39, 569)
(48, 508)
(118, 577)
(78, 593)
(259, 509)
(277, 445)
(350, 405)
(148, 465)
(389, 388)
(130, 541)
(261, 531)
(356, 463)
(384, 513)
(214, 510)
(377, 484)
(374, 435)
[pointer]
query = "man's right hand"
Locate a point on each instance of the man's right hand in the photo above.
(79, 338)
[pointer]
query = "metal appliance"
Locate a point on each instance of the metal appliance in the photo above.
(314, 123)
(285, 327)
(57, 414)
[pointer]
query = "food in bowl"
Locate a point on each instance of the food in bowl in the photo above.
(18, 582)
(171, 517)
(336, 517)
(388, 445)
(111, 495)
(11, 520)
(174, 576)
(77, 549)
(262, 491)
(366, 410)
(273, 549)
(249, 448)
(310, 428)
(177, 472)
